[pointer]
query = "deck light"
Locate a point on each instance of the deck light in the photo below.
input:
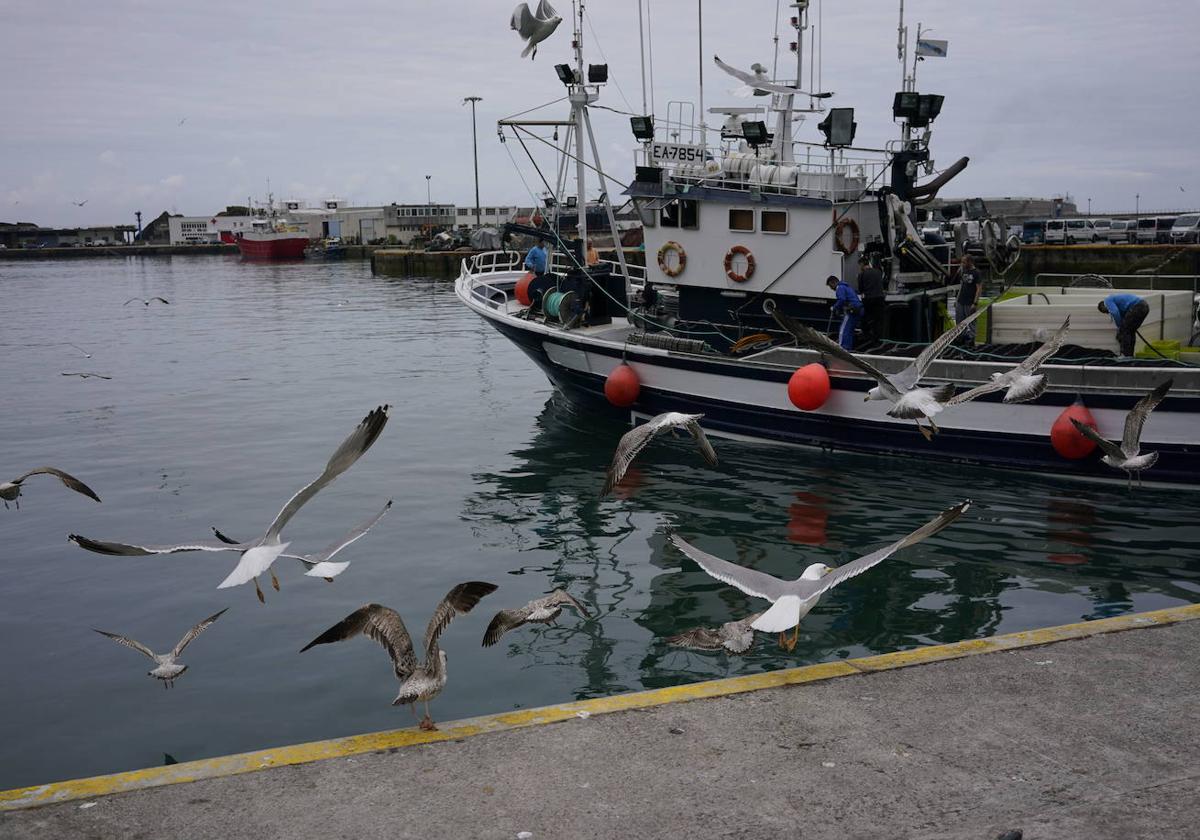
(755, 133)
(643, 127)
(565, 74)
(597, 73)
(839, 127)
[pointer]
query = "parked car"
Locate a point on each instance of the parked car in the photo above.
(1056, 232)
(1120, 231)
(1033, 232)
(1186, 229)
(1080, 230)
(1102, 227)
(1145, 231)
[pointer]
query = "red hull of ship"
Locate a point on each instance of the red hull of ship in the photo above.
(273, 248)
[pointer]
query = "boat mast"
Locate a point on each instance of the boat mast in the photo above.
(578, 104)
(784, 134)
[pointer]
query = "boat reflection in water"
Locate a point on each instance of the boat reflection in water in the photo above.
(999, 570)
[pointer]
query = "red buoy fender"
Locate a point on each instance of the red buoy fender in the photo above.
(809, 387)
(522, 289)
(1066, 439)
(622, 386)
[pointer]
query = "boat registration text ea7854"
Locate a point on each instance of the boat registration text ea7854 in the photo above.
(676, 153)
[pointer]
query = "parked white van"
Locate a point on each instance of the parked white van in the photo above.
(1055, 232)
(1145, 231)
(1120, 232)
(1186, 229)
(1080, 230)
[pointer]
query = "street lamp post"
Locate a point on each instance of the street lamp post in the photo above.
(428, 200)
(1137, 206)
(475, 153)
(1089, 207)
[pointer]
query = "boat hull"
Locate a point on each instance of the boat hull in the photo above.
(272, 246)
(749, 402)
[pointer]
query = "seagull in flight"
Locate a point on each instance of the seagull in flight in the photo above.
(760, 86)
(146, 301)
(1023, 382)
(83, 375)
(81, 203)
(794, 599)
(167, 668)
(542, 610)
(85, 353)
(319, 565)
(10, 491)
(534, 27)
(259, 554)
(1128, 455)
(418, 680)
(182, 121)
(908, 401)
(733, 636)
(636, 439)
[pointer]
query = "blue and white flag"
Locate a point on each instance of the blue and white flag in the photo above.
(928, 47)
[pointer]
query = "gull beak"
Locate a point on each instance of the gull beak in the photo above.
(829, 570)
(867, 398)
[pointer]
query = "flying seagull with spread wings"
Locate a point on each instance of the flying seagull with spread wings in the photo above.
(636, 439)
(793, 599)
(418, 680)
(319, 565)
(146, 301)
(10, 491)
(534, 27)
(733, 636)
(542, 610)
(259, 554)
(1023, 382)
(909, 402)
(84, 375)
(167, 667)
(1128, 455)
(758, 83)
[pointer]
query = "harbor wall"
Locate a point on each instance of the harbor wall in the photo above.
(1109, 260)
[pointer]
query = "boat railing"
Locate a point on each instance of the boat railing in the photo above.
(493, 262)
(1153, 282)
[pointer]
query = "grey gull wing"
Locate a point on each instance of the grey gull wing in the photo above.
(1136, 419)
(385, 626)
(458, 601)
(752, 582)
(194, 632)
(70, 481)
(128, 642)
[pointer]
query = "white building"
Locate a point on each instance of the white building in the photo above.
(492, 216)
(196, 230)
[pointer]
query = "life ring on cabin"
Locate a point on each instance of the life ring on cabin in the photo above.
(839, 239)
(678, 268)
(750, 264)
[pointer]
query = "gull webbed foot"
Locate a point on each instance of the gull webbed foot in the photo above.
(274, 580)
(258, 591)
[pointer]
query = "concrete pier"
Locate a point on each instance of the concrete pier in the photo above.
(1081, 731)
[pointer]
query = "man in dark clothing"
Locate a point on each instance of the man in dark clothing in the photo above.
(970, 286)
(870, 289)
(1128, 312)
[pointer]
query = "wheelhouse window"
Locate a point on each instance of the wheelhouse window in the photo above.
(681, 214)
(741, 220)
(774, 221)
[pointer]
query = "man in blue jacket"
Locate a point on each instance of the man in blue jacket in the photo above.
(535, 260)
(1128, 312)
(850, 308)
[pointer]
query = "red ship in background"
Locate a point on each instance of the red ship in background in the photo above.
(272, 243)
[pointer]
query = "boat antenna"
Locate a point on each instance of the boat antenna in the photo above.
(578, 104)
(650, 49)
(700, 56)
(642, 48)
(775, 65)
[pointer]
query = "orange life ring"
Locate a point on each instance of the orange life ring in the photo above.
(843, 225)
(666, 269)
(750, 265)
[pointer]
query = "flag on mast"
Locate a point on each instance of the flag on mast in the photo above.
(931, 48)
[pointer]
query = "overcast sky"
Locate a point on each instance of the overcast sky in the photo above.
(190, 107)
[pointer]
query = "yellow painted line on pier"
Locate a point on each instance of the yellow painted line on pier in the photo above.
(230, 765)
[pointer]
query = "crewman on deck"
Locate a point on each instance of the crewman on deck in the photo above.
(535, 260)
(593, 256)
(849, 306)
(870, 289)
(1127, 311)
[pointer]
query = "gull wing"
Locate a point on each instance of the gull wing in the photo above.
(1131, 442)
(131, 300)
(635, 440)
(912, 374)
(351, 450)
(129, 643)
(811, 589)
(545, 11)
(978, 391)
(563, 598)
(1107, 446)
(1052, 345)
(706, 449)
(194, 632)
(382, 624)
(757, 83)
(698, 638)
(750, 581)
(353, 535)
(163, 299)
(70, 481)
(809, 337)
(522, 20)
(129, 550)
(504, 621)
(458, 601)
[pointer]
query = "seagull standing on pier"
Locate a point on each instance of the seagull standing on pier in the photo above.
(1128, 455)
(10, 491)
(534, 27)
(542, 610)
(259, 554)
(418, 681)
(794, 599)
(636, 439)
(167, 666)
(1023, 382)
(908, 401)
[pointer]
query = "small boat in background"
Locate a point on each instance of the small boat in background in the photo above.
(332, 248)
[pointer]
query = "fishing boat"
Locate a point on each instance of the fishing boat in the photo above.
(271, 239)
(746, 218)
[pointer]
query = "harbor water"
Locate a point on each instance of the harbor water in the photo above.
(226, 401)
